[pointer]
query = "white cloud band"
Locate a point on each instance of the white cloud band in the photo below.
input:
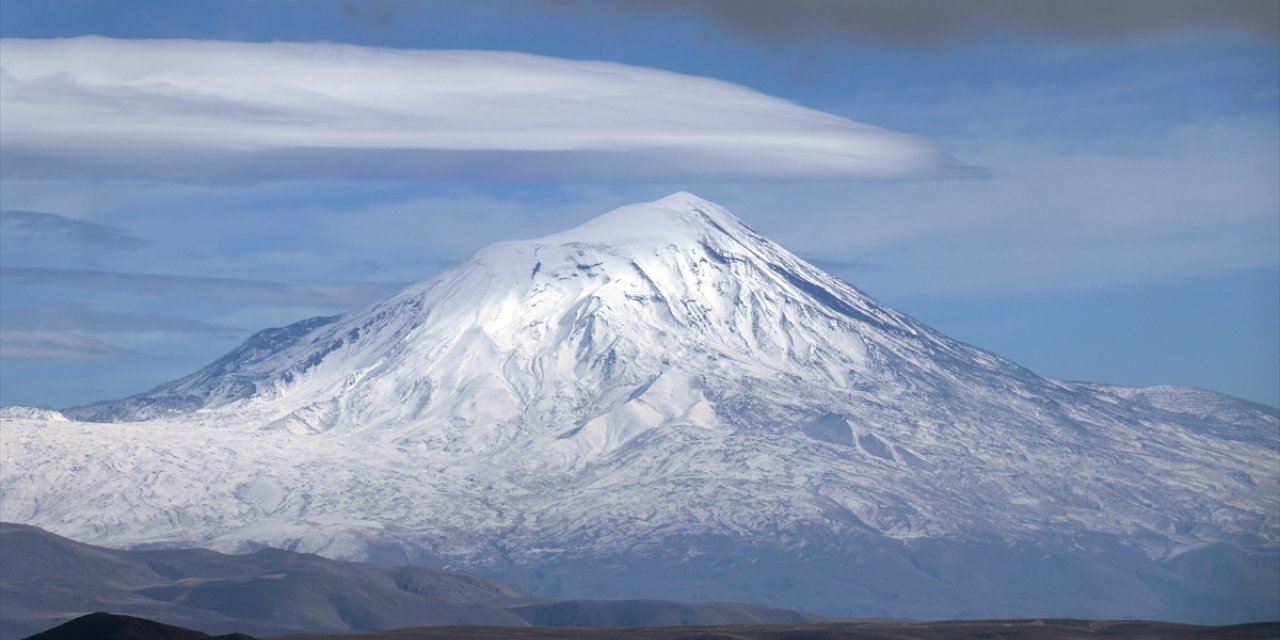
(243, 111)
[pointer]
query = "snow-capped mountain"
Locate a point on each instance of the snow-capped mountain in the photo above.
(662, 402)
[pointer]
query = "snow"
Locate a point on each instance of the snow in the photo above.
(659, 373)
(20, 412)
(680, 218)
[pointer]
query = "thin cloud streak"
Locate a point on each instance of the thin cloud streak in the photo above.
(51, 226)
(59, 346)
(247, 112)
(217, 289)
(76, 317)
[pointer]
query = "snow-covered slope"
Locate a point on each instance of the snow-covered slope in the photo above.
(21, 412)
(661, 402)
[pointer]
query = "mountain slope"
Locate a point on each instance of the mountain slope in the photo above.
(48, 579)
(663, 403)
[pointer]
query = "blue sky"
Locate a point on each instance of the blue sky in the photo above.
(1087, 188)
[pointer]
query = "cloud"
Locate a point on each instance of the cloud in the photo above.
(1195, 200)
(76, 317)
(217, 289)
(930, 22)
(58, 346)
(50, 226)
(245, 112)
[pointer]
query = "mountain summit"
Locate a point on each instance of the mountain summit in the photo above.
(650, 315)
(663, 403)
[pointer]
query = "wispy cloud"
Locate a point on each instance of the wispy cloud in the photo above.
(83, 233)
(231, 111)
(218, 289)
(77, 317)
(58, 346)
(1194, 201)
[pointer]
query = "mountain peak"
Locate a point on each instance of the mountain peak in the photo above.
(688, 201)
(679, 217)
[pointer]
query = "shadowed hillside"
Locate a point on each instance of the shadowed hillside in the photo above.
(101, 626)
(48, 579)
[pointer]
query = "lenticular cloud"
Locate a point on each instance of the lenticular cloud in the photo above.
(242, 111)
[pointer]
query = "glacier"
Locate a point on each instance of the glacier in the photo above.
(662, 402)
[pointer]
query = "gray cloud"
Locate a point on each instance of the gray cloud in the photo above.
(218, 289)
(378, 14)
(51, 226)
(70, 317)
(933, 22)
